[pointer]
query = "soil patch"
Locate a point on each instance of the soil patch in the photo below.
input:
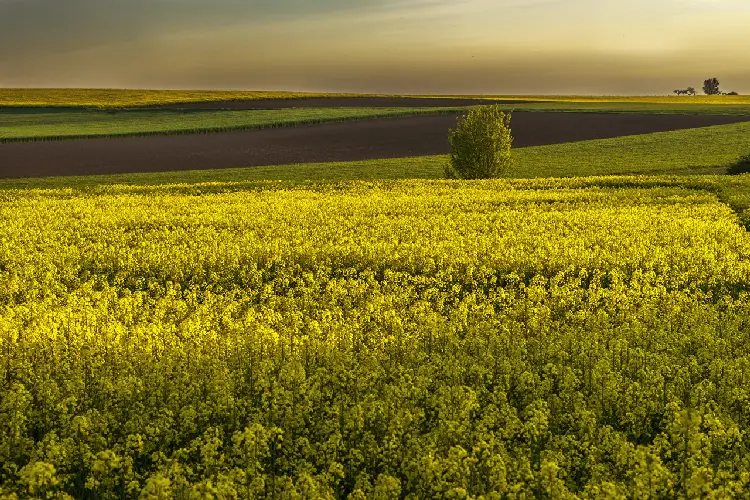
(344, 141)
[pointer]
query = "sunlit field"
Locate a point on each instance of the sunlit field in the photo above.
(538, 338)
(665, 99)
(119, 98)
(69, 124)
(368, 330)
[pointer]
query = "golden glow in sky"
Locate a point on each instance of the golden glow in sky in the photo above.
(402, 46)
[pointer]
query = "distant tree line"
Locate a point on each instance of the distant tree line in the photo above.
(710, 87)
(687, 91)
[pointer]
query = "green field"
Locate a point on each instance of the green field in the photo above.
(26, 124)
(54, 114)
(21, 125)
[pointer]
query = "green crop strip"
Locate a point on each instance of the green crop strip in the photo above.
(18, 126)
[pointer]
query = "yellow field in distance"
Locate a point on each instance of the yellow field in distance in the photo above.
(118, 98)
(650, 99)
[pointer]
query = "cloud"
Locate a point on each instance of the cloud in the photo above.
(54, 26)
(379, 45)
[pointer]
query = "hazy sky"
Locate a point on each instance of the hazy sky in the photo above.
(402, 46)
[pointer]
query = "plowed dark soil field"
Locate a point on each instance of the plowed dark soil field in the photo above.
(345, 141)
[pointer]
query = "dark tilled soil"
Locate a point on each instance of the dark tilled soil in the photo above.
(343, 141)
(340, 102)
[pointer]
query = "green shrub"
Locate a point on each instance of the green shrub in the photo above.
(742, 166)
(480, 144)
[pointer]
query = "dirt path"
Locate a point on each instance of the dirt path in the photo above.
(357, 140)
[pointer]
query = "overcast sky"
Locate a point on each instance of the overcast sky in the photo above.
(399, 46)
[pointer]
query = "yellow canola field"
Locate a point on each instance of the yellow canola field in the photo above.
(650, 99)
(115, 98)
(118, 98)
(373, 340)
(415, 227)
(57, 244)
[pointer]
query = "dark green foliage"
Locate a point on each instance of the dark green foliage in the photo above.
(741, 166)
(480, 144)
(711, 87)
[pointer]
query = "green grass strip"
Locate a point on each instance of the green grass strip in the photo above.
(48, 126)
(702, 150)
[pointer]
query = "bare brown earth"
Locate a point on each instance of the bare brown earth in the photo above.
(340, 102)
(344, 141)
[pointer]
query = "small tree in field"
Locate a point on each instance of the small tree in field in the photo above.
(711, 87)
(480, 144)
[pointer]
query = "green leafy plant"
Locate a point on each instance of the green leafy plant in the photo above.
(741, 166)
(480, 144)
